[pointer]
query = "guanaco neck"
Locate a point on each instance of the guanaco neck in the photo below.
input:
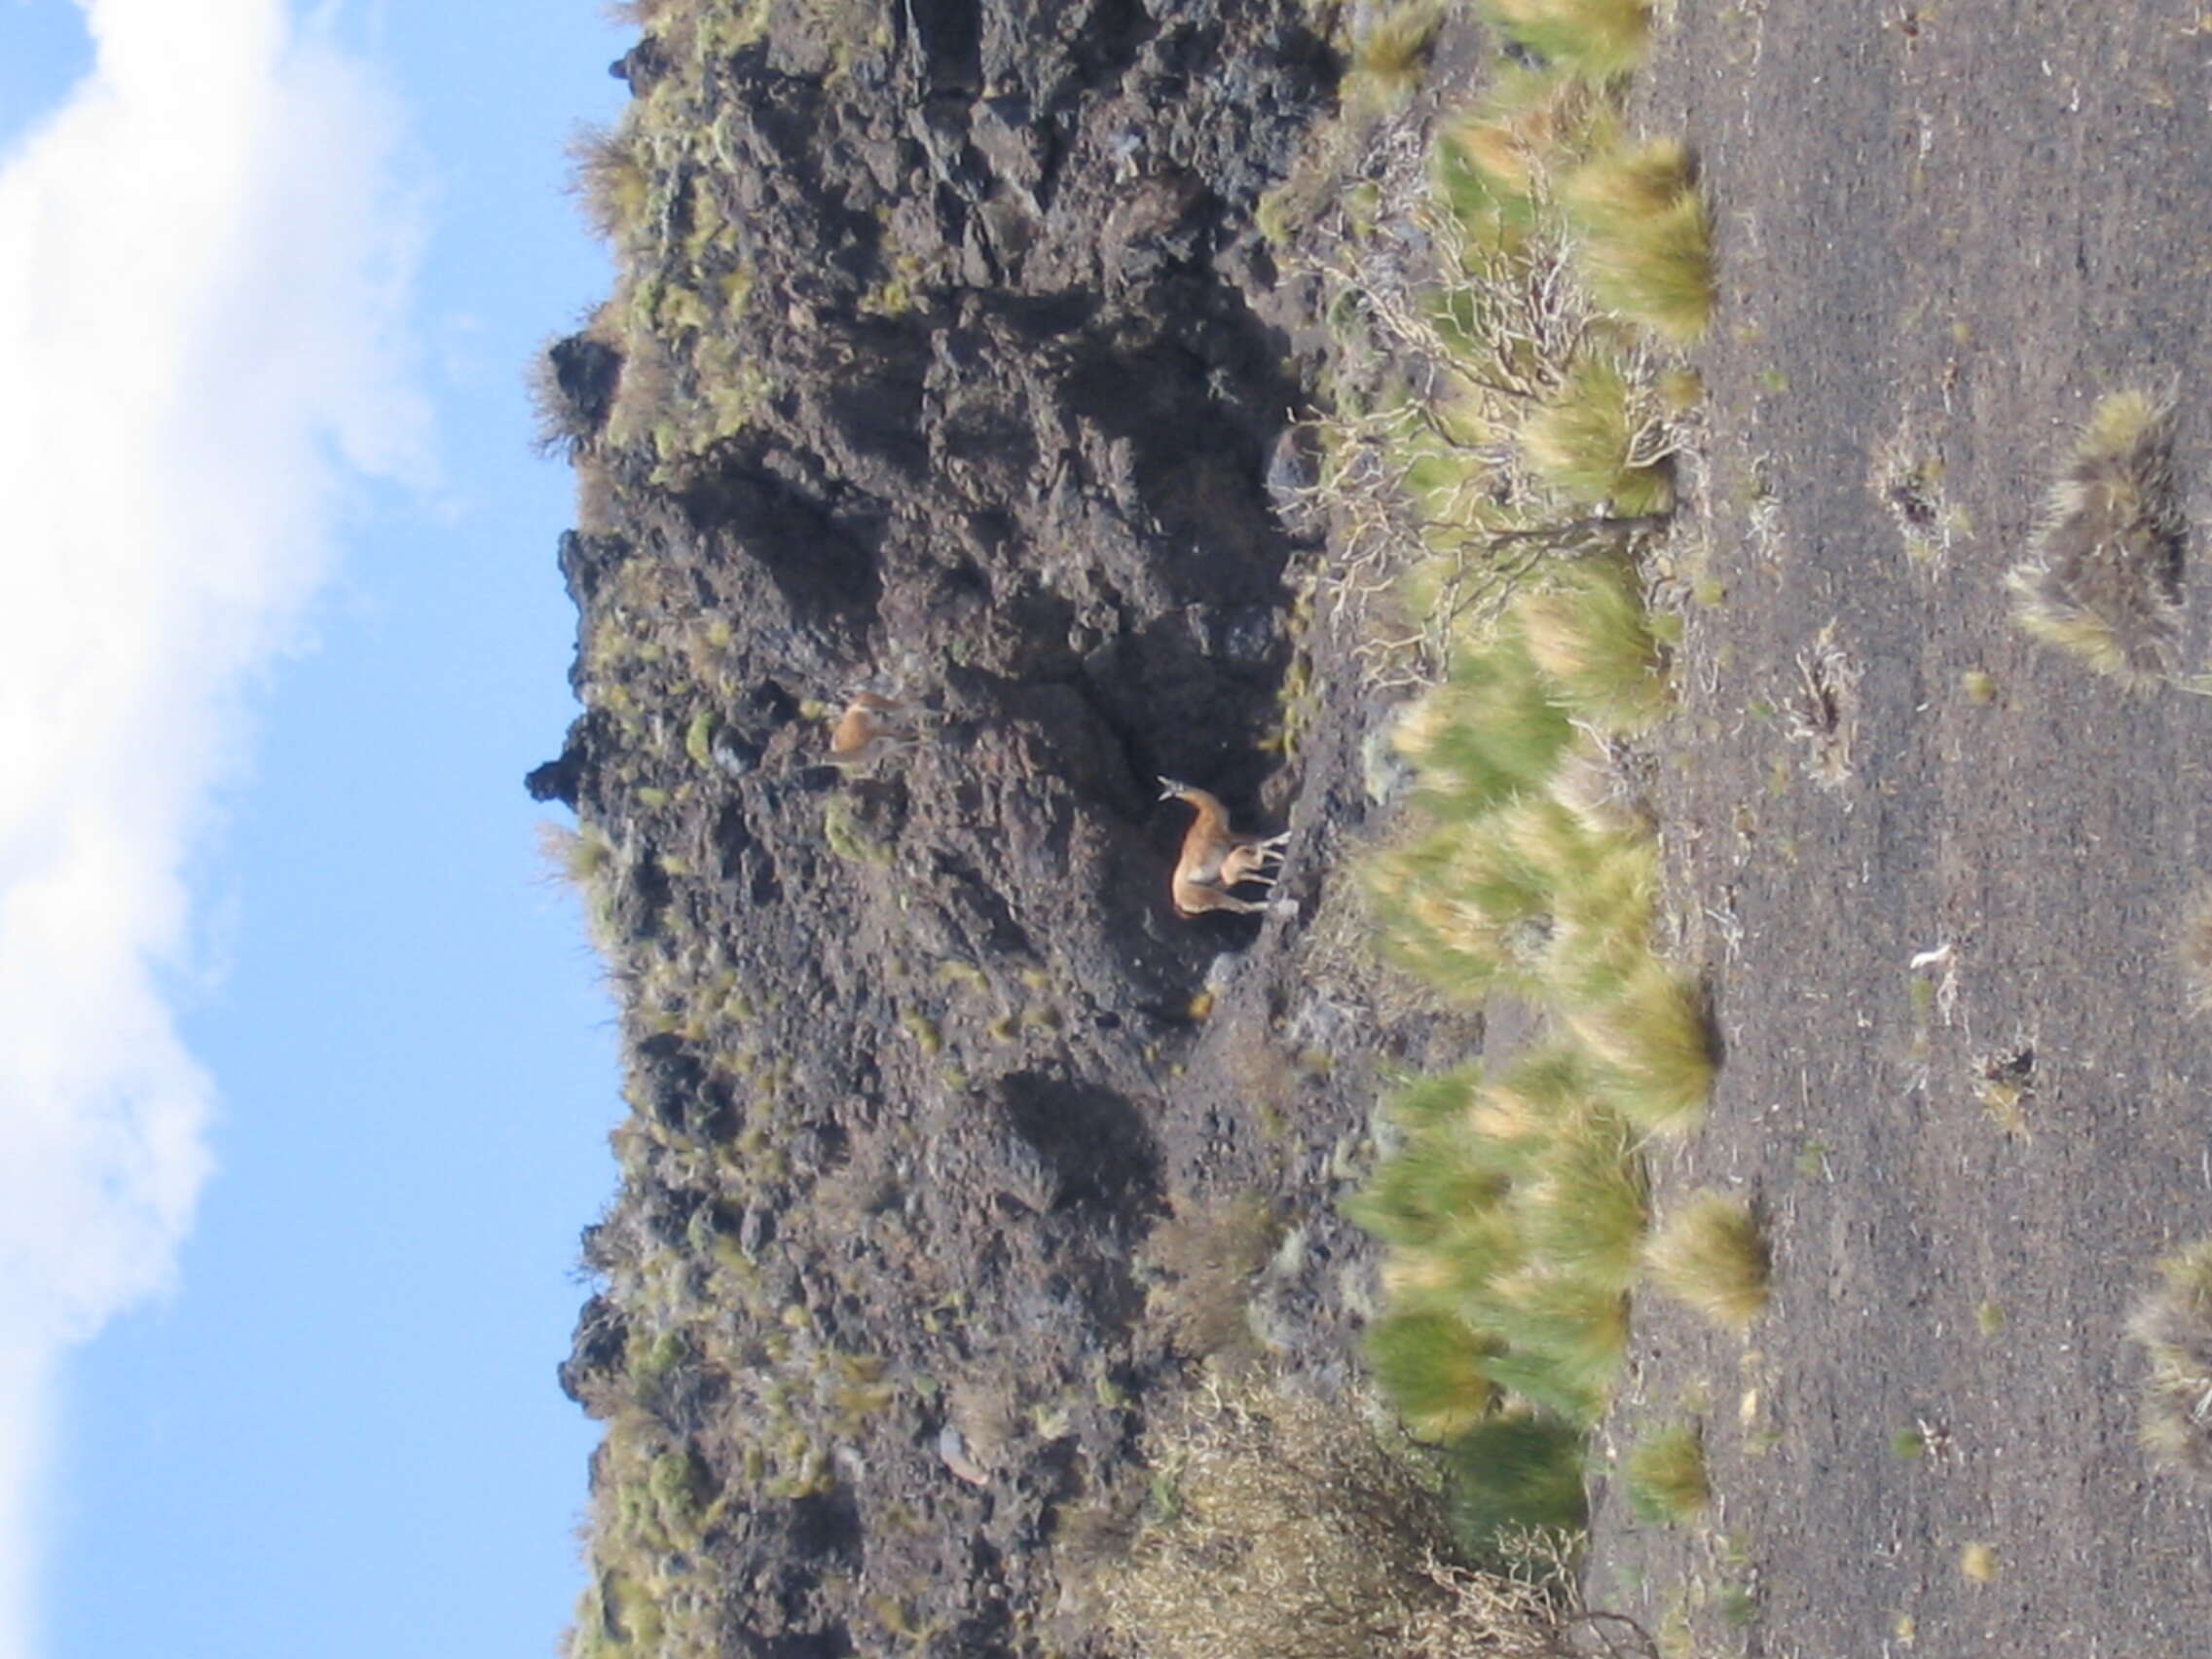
(1211, 824)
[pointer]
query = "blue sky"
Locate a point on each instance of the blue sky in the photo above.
(305, 1071)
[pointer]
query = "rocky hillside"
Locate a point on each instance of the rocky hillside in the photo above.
(1010, 362)
(946, 364)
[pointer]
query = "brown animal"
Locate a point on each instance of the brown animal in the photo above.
(1216, 859)
(870, 729)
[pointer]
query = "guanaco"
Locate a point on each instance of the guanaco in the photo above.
(872, 728)
(1216, 857)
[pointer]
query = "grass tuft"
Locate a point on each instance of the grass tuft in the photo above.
(1432, 1366)
(1594, 39)
(1710, 1255)
(610, 180)
(1563, 1338)
(1514, 1474)
(580, 857)
(1462, 908)
(1594, 784)
(1601, 941)
(1582, 1204)
(1588, 442)
(1494, 160)
(1644, 243)
(1390, 56)
(2103, 578)
(1588, 631)
(1651, 1046)
(2174, 1326)
(1432, 1183)
(1665, 1476)
(1494, 729)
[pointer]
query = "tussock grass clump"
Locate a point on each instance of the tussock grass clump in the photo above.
(1665, 1477)
(1452, 914)
(1495, 162)
(1470, 907)
(1587, 629)
(1583, 1203)
(1431, 1365)
(2174, 1325)
(1389, 56)
(652, 1497)
(610, 181)
(1292, 1532)
(1644, 243)
(580, 857)
(1651, 1046)
(1710, 1256)
(1592, 781)
(1561, 1338)
(1601, 940)
(1592, 441)
(1516, 1474)
(1438, 1178)
(1516, 1214)
(1494, 731)
(1595, 39)
(2103, 578)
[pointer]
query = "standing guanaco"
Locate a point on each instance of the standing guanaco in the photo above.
(871, 728)
(1216, 857)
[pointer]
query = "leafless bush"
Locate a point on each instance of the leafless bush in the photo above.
(1289, 1530)
(1447, 356)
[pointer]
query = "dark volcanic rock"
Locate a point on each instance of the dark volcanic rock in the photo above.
(906, 1046)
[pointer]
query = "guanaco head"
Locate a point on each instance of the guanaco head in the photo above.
(1170, 790)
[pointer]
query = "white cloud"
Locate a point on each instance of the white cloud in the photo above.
(204, 265)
